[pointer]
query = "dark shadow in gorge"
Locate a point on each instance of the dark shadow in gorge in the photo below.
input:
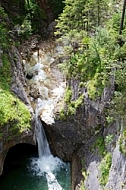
(16, 154)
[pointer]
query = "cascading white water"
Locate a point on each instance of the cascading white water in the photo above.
(43, 146)
(46, 162)
(48, 86)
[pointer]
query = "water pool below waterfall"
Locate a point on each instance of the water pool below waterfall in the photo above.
(20, 175)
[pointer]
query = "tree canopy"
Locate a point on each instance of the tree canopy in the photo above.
(93, 33)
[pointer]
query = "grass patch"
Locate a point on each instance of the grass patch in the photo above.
(100, 145)
(105, 168)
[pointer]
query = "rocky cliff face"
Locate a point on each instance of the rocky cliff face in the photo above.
(84, 138)
(92, 146)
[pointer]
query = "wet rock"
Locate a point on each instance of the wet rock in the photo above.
(29, 75)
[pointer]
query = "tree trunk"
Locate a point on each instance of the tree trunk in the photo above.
(122, 18)
(98, 12)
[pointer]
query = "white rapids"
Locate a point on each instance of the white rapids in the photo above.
(46, 165)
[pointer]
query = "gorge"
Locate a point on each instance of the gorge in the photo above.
(63, 86)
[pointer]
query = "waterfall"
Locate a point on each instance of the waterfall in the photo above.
(46, 162)
(43, 146)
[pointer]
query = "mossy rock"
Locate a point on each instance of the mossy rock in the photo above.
(12, 109)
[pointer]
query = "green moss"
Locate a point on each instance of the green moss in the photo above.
(71, 106)
(122, 142)
(62, 115)
(82, 84)
(3, 29)
(100, 145)
(95, 87)
(82, 186)
(12, 109)
(78, 102)
(91, 89)
(5, 76)
(105, 168)
(109, 119)
(68, 95)
(108, 139)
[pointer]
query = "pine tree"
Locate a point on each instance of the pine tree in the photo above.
(81, 15)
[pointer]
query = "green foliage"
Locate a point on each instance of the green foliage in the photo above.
(3, 29)
(96, 58)
(100, 145)
(62, 115)
(105, 168)
(5, 76)
(122, 142)
(11, 109)
(71, 106)
(84, 174)
(79, 101)
(27, 17)
(26, 27)
(82, 15)
(118, 106)
(109, 119)
(68, 95)
(108, 139)
(15, 11)
(82, 186)
(34, 15)
(73, 11)
(93, 60)
(89, 31)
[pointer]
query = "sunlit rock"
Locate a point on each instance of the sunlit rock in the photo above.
(44, 79)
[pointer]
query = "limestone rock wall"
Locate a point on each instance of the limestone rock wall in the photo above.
(10, 136)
